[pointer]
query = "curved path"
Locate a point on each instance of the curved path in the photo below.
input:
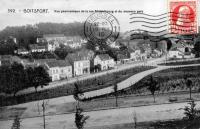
(92, 75)
(131, 80)
(122, 85)
(104, 117)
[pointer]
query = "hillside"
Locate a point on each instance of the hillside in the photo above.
(27, 34)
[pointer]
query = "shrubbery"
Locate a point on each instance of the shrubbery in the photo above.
(68, 89)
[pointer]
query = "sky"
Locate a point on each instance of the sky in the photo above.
(154, 7)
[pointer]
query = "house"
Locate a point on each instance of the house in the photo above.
(147, 49)
(52, 45)
(114, 44)
(80, 61)
(74, 41)
(122, 58)
(59, 69)
(55, 37)
(134, 54)
(52, 41)
(55, 40)
(105, 61)
(175, 53)
(41, 40)
(181, 50)
(9, 59)
(156, 53)
(73, 44)
(37, 48)
(22, 51)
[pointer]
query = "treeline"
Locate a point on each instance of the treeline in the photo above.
(28, 34)
(15, 78)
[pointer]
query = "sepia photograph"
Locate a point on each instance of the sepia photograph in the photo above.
(99, 64)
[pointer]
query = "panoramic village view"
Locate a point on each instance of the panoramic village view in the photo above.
(52, 76)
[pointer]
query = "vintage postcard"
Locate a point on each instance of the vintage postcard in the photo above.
(99, 64)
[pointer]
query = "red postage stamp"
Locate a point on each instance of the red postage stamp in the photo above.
(183, 16)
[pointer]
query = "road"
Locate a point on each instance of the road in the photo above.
(106, 117)
(122, 85)
(93, 75)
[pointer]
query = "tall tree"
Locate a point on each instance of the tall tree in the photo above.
(77, 93)
(41, 77)
(80, 119)
(16, 123)
(5, 73)
(115, 87)
(152, 86)
(12, 78)
(188, 82)
(18, 77)
(30, 77)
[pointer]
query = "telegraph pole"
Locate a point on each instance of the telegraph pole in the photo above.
(43, 109)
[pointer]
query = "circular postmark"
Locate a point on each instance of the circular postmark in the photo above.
(100, 27)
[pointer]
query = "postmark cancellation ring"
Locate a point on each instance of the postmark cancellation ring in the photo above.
(101, 26)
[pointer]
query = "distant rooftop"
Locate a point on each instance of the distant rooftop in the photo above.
(53, 35)
(58, 63)
(104, 57)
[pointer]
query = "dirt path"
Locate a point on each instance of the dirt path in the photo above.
(106, 117)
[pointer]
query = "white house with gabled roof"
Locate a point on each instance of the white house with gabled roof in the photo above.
(105, 61)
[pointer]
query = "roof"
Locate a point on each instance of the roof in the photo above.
(104, 57)
(83, 54)
(53, 35)
(76, 57)
(122, 56)
(131, 50)
(35, 46)
(73, 38)
(58, 63)
(42, 61)
(10, 58)
(22, 50)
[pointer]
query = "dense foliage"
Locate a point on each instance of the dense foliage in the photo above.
(15, 78)
(28, 34)
(68, 89)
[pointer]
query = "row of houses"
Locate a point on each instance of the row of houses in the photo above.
(49, 42)
(75, 64)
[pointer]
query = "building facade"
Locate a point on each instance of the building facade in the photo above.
(105, 61)
(59, 69)
(80, 61)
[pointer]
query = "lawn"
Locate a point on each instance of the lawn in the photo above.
(170, 80)
(96, 104)
(182, 62)
(68, 89)
(172, 124)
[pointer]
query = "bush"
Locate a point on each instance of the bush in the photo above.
(68, 89)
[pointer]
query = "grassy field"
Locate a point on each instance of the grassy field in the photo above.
(68, 89)
(97, 104)
(170, 80)
(182, 62)
(172, 124)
